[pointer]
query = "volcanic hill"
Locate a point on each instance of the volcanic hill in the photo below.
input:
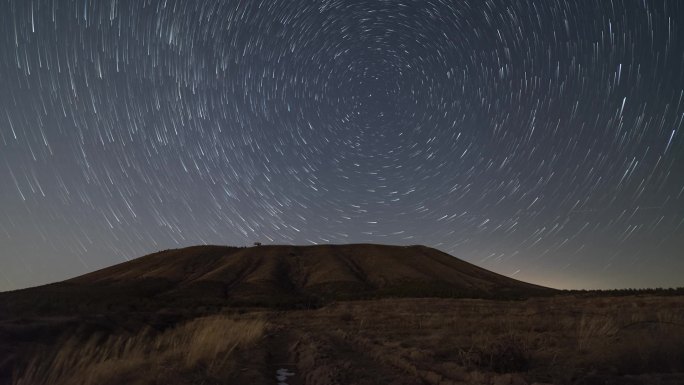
(272, 276)
(329, 314)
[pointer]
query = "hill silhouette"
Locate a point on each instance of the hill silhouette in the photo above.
(272, 276)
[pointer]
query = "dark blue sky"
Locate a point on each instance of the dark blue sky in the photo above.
(539, 139)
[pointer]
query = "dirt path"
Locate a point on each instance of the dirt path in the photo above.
(281, 366)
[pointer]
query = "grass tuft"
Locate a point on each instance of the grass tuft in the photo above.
(202, 344)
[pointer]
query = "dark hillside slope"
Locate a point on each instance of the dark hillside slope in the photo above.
(280, 276)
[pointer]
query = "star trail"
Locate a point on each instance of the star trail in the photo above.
(540, 139)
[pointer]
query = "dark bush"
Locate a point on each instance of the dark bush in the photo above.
(507, 354)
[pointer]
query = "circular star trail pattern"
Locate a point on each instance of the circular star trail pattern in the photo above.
(540, 139)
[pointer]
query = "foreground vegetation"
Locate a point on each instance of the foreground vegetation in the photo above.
(560, 340)
(203, 347)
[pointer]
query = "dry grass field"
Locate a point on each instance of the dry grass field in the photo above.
(561, 340)
(203, 347)
(628, 340)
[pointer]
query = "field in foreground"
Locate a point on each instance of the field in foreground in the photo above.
(555, 340)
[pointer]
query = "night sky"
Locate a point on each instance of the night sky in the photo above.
(541, 139)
